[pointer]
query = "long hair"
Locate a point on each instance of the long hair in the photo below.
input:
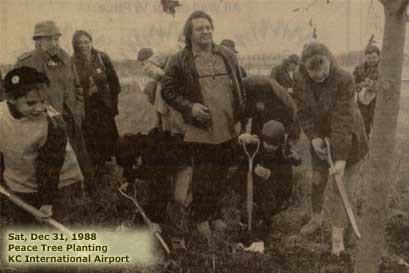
(187, 29)
(76, 37)
(313, 49)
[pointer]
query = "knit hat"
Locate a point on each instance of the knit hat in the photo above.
(273, 132)
(19, 81)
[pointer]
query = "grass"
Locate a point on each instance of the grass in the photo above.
(286, 251)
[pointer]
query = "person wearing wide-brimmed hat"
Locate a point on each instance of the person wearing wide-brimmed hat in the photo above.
(64, 93)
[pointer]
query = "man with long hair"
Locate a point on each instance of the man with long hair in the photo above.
(203, 82)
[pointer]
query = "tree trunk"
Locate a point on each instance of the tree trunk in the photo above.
(383, 136)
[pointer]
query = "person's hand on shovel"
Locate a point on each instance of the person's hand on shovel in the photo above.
(319, 148)
(155, 228)
(339, 168)
(47, 211)
(247, 138)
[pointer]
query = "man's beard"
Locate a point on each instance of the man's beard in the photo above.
(53, 51)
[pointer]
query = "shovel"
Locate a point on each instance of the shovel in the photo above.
(146, 219)
(34, 211)
(250, 184)
(343, 193)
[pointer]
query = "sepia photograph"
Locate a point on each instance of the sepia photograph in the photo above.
(204, 136)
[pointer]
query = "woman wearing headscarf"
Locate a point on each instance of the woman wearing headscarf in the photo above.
(101, 87)
(324, 94)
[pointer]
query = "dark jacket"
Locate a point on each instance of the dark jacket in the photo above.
(181, 88)
(329, 109)
(281, 75)
(104, 74)
(363, 71)
(50, 159)
(62, 94)
(267, 100)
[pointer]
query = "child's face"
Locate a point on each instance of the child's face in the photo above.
(33, 104)
(270, 148)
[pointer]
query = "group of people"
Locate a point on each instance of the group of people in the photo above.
(57, 126)
(57, 121)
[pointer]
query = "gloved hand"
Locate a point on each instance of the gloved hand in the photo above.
(47, 210)
(319, 148)
(339, 168)
(247, 138)
(262, 172)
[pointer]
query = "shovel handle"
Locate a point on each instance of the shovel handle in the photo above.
(250, 184)
(145, 218)
(344, 196)
(34, 211)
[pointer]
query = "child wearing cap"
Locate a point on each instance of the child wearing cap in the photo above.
(272, 171)
(39, 164)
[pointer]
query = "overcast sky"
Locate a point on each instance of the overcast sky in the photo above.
(121, 27)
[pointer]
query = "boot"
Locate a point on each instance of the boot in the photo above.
(337, 241)
(313, 225)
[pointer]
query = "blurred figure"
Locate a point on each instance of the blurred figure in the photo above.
(148, 87)
(101, 88)
(2, 96)
(230, 44)
(154, 67)
(284, 72)
(267, 100)
(171, 122)
(366, 76)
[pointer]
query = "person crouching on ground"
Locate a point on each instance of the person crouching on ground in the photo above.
(324, 94)
(39, 165)
(273, 174)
